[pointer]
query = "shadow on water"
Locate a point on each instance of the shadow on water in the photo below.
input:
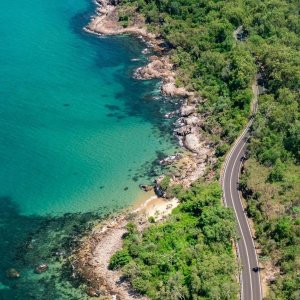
(141, 98)
(27, 241)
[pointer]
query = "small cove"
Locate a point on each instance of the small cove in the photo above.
(77, 134)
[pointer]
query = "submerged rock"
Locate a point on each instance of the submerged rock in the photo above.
(146, 188)
(41, 268)
(12, 273)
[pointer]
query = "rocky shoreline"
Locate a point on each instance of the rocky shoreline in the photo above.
(188, 125)
(90, 261)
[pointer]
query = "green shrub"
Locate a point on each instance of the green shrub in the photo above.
(151, 219)
(164, 184)
(167, 260)
(119, 259)
(222, 149)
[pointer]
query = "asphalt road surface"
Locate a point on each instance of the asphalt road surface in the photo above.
(249, 277)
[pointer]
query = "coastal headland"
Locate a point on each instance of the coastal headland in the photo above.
(91, 260)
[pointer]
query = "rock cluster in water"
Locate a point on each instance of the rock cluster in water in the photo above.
(12, 273)
(41, 268)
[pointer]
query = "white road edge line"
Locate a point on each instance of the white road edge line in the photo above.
(223, 172)
(253, 245)
(223, 187)
(237, 217)
(231, 153)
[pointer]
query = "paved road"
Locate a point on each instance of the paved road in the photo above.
(249, 279)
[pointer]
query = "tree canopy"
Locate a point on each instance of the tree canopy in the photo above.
(212, 60)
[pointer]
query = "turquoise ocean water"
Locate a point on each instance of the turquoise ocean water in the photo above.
(77, 132)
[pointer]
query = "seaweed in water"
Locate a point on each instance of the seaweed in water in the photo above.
(28, 241)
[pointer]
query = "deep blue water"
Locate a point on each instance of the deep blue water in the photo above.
(77, 132)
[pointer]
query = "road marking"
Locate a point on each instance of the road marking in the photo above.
(228, 157)
(223, 172)
(237, 217)
(223, 187)
(253, 245)
(241, 280)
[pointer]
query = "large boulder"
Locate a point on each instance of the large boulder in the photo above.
(192, 120)
(170, 89)
(187, 110)
(41, 268)
(191, 142)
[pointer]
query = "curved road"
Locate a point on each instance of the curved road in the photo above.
(249, 278)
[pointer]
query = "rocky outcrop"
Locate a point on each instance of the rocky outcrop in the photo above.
(161, 67)
(170, 89)
(188, 125)
(192, 120)
(187, 110)
(106, 22)
(41, 268)
(184, 130)
(191, 142)
(157, 68)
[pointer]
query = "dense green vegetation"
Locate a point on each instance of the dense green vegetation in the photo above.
(273, 203)
(190, 256)
(221, 69)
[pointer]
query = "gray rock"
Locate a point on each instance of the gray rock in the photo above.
(145, 187)
(191, 142)
(184, 130)
(187, 110)
(192, 120)
(41, 268)
(179, 122)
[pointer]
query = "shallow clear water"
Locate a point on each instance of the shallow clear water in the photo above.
(77, 133)
(74, 126)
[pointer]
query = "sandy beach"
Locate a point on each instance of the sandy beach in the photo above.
(91, 260)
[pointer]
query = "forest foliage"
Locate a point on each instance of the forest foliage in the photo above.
(211, 61)
(189, 256)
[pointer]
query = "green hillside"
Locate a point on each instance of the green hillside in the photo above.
(218, 47)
